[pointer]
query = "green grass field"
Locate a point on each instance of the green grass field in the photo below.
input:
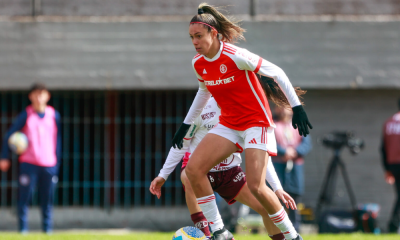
(168, 236)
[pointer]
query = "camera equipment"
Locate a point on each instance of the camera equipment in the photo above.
(336, 141)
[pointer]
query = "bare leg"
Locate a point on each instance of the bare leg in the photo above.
(212, 150)
(191, 201)
(256, 165)
(248, 199)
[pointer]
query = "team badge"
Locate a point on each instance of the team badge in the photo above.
(223, 68)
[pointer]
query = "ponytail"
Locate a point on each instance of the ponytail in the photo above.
(274, 92)
(229, 30)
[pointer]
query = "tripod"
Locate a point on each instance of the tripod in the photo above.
(327, 190)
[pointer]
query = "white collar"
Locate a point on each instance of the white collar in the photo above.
(216, 55)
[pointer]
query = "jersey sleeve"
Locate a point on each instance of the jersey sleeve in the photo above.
(272, 177)
(175, 155)
(269, 69)
(18, 124)
(246, 60)
(199, 102)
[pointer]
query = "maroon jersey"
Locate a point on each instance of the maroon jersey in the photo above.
(391, 137)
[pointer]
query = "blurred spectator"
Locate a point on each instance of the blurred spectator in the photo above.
(391, 161)
(289, 162)
(39, 163)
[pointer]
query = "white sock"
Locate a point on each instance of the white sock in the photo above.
(282, 221)
(209, 207)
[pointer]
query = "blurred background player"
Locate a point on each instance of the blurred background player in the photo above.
(39, 163)
(227, 178)
(289, 163)
(390, 149)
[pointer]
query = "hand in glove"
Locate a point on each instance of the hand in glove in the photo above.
(177, 141)
(300, 120)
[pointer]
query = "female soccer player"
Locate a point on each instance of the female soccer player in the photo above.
(229, 74)
(227, 178)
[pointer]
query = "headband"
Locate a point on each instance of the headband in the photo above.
(205, 24)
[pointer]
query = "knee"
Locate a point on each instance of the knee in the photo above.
(184, 178)
(255, 189)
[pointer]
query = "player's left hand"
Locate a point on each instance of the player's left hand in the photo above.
(155, 186)
(286, 199)
(300, 120)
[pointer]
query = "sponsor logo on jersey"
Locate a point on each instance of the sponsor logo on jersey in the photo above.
(208, 115)
(209, 126)
(219, 82)
(204, 71)
(223, 68)
(239, 177)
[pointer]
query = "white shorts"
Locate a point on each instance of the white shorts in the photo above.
(256, 137)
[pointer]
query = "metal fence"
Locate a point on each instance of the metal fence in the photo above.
(114, 144)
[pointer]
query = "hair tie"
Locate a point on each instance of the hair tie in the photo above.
(200, 11)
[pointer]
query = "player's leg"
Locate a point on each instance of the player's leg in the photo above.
(26, 184)
(212, 150)
(248, 199)
(197, 216)
(256, 140)
(46, 182)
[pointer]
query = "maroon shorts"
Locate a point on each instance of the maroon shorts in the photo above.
(227, 183)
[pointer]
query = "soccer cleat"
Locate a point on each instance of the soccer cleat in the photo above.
(222, 234)
(298, 237)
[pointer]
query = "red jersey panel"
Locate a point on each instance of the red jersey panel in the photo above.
(230, 78)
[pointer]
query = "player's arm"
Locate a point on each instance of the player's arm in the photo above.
(175, 155)
(199, 102)
(18, 124)
(252, 62)
(273, 180)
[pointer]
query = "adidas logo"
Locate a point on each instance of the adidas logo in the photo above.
(204, 71)
(253, 141)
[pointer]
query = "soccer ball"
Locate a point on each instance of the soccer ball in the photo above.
(18, 142)
(189, 233)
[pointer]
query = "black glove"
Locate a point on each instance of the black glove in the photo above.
(300, 120)
(177, 141)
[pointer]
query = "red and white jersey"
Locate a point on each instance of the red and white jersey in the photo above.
(230, 76)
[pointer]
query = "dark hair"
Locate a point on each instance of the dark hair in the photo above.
(274, 92)
(229, 30)
(37, 86)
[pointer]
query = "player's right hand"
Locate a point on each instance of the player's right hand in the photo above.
(155, 186)
(177, 141)
(4, 164)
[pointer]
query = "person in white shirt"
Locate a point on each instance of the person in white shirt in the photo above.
(227, 178)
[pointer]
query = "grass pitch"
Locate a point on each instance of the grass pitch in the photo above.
(168, 236)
